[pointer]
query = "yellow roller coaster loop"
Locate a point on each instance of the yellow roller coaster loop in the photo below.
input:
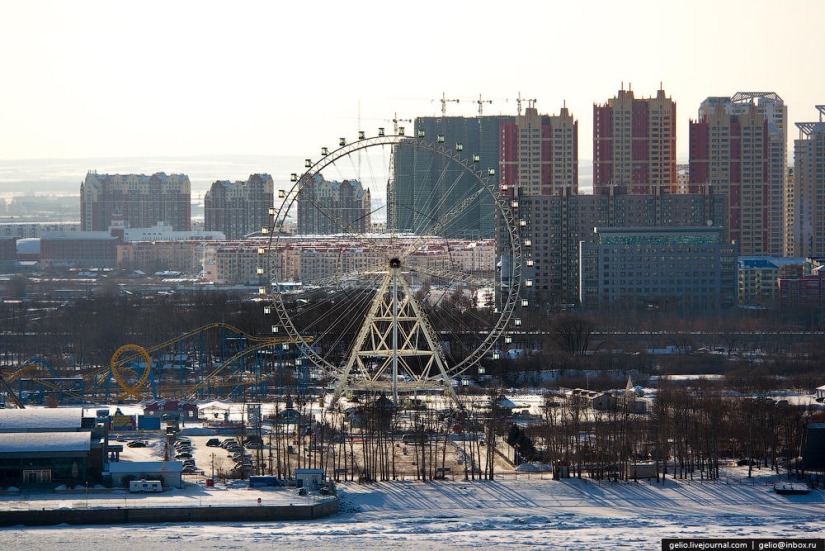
(117, 362)
(134, 353)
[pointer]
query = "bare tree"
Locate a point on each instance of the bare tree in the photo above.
(572, 333)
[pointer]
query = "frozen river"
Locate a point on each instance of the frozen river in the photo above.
(510, 513)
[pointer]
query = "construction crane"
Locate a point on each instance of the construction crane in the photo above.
(530, 103)
(481, 103)
(444, 101)
(395, 121)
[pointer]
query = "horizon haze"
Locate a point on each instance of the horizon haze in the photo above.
(96, 79)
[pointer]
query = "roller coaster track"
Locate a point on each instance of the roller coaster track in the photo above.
(189, 391)
(30, 365)
(10, 393)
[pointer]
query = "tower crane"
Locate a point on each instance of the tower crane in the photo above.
(395, 120)
(444, 101)
(481, 103)
(530, 103)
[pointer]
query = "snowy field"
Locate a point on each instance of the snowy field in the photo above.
(511, 513)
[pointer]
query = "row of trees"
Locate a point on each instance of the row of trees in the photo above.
(687, 433)
(378, 441)
(87, 332)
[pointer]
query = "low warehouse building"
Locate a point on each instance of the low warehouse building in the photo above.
(50, 446)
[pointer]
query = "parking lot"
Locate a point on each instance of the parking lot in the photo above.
(217, 462)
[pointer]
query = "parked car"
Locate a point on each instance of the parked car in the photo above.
(191, 469)
(184, 455)
(213, 442)
(136, 444)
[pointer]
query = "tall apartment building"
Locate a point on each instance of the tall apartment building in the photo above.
(552, 228)
(142, 200)
(729, 150)
(428, 186)
(239, 208)
(328, 207)
(773, 108)
(634, 143)
(540, 153)
(791, 205)
(809, 188)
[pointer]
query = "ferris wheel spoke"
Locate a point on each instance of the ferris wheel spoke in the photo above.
(455, 275)
(345, 226)
(340, 279)
(444, 221)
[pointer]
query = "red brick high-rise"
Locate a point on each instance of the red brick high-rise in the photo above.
(730, 152)
(634, 143)
(540, 153)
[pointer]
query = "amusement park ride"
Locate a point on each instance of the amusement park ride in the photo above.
(385, 326)
(213, 361)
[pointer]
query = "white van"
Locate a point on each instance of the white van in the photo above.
(145, 486)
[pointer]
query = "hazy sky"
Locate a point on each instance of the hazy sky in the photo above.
(98, 79)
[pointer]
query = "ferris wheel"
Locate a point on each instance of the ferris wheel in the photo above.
(394, 262)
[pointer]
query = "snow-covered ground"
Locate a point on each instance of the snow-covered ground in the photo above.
(514, 513)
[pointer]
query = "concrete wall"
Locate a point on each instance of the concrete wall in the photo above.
(169, 514)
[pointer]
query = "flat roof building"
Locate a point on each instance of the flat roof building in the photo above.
(668, 269)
